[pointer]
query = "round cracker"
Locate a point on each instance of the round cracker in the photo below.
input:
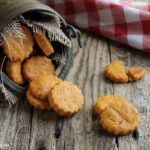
(37, 66)
(115, 71)
(14, 72)
(41, 86)
(117, 115)
(44, 43)
(66, 98)
(18, 49)
(37, 103)
(135, 74)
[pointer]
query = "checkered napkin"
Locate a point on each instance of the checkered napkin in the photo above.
(125, 21)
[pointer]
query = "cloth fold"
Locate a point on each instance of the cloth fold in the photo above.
(125, 21)
(48, 21)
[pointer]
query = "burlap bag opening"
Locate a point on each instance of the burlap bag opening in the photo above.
(34, 14)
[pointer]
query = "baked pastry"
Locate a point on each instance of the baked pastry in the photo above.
(43, 43)
(66, 98)
(117, 115)
(14, 72)
(41, 86)
(37, 103)
(19, 49)
(115, 71)
(37, 66)
(135, 74)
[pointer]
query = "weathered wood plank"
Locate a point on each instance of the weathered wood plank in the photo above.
(88, 75)
(137, 92)
(22, 130)
(15, 126)
(82, 131)
(92, 82)
(26, 128)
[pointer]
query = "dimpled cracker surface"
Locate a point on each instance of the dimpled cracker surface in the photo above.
(41, 86)
(117, 115)
(37, 66)
(115, 71)
(66, 98)
(19, 49)
(135, 74)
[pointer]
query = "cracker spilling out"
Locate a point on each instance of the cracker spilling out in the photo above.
(37, 66)
(66, 98)
(63, 97)
(44, 43)
(117, 115)
(14, 71)
(116, 72)
(29, 62)
(37, 103)
(135, 74)
(41, 86)
(19, 49)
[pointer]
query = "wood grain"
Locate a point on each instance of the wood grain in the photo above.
(15, 125)
(25, 128)
(137, 92)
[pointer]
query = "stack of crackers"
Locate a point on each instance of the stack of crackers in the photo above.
(26, 65)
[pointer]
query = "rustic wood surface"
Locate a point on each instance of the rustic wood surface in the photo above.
(26, 128)
(23, 127)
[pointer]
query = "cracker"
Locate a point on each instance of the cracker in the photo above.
(37, 66)
(117, 115)
(66, 98)
(115, 71)
(19, 49)
(14, 72)
(135, 74)
(37, 103)
(41, 86)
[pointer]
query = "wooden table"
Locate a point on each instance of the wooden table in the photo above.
(24, 127)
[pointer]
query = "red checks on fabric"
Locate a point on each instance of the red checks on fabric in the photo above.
(125, 21)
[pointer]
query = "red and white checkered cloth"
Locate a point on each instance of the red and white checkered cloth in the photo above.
(125, 21)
